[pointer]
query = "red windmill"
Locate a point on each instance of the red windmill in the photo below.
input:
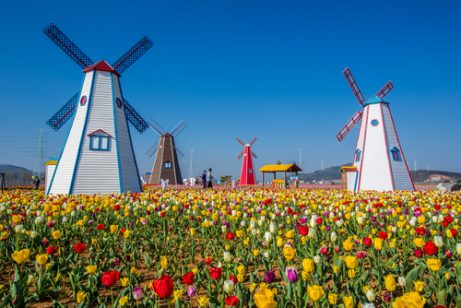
(247, 176)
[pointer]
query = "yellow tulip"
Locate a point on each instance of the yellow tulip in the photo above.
(264, 298)
(351, 262)
(203, 301)
(308, 265)
(56, 234)
(332, 298)
(389, 282)
(123, 300)
(434, 264)
(41, 259)
(315, 292)
(21, 256)
(348, 301)
(81, 295)
(163, 262)
(419, 285)
(289, 252)
(91, 269)
(348, 244)
(409, 299)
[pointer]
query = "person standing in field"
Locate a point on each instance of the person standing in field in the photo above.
(209, 179)
(204, 176)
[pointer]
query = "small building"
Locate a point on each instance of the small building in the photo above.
(50, 166)
(349, 177)
(283, 168)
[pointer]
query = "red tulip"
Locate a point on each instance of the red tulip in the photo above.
(233, 279)
(430, 248)
(163, 287)
(230, 236)
(100, 227)
(117, 207)
(454, 232)
(215, 272)
(382, 235)
(110, 278)
(51, 250)
(324, 250)
(367, 242)
(79, 247)
(232, 300)
(418, 253)
(207, 260)
(188, 278)
(420, 231)
(319, 220)
(303, 230)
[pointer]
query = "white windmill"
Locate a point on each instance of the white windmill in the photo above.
(379, 163)
(98, 156)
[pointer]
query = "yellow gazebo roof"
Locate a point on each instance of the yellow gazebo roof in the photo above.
(348, 168)
(280, 168)
(50, 162)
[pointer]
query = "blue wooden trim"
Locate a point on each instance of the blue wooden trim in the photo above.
(64, 146)
(114, 105)
(131, 143)
(89, 105)
(356, 179)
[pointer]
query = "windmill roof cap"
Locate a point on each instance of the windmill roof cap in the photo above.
(375, 100)
(100, 66)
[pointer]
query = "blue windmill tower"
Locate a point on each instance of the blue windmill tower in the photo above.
(98, 155)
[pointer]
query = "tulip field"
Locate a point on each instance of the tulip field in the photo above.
(250, 247)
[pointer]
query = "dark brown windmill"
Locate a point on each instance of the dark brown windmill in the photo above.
(166, 165)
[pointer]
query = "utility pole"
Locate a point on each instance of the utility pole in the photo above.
(39, 160)
(300, 159)
(192, 164)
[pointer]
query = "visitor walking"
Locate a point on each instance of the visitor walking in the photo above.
(204, 183)
(209, 179)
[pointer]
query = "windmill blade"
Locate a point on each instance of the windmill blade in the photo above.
(254, 155)
(155, 126)
(241, 154)
(132, 55)
(134, 118)
(385, 90)
(178, 128)
(179, 153)
(65, 113)
(240, 141)
(349, 126)
(253, 141)
(353, 85)
(63, 42)
(150, 152)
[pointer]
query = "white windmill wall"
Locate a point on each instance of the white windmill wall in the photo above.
(62, 178)
(128, 167)
(375, 172)
(97, 171)
(400, 171)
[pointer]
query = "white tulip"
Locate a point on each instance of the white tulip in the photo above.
(458, 249)
(370, 295)
(402, 281)
(438, 241)
(333, 236)
(317, 259)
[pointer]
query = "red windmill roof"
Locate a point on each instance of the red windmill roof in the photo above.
(100, 66)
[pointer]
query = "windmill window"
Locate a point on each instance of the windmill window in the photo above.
(119, 102)
(167, 165)
(358, 154)
(374, 122)
(396, 155)
(99, 141)
(83, 100)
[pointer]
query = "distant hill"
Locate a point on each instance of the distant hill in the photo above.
(16, 176)
(332, 174)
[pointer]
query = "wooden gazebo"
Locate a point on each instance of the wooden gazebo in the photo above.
(284, 168)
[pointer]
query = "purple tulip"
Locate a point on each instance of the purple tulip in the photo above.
(137, 293)
(292, 274)
(191, 290)
(270, 276)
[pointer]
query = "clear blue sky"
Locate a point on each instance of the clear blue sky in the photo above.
(270, 69)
